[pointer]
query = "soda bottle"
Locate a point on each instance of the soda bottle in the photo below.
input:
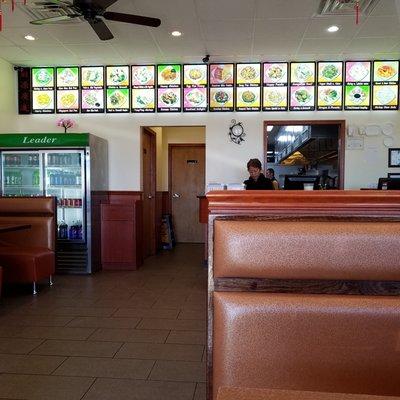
(63, 230)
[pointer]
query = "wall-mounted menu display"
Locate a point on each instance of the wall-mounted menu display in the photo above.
(385, 91)
(67, 84)
(248, 87)
(117, 92)
(92, 82)
(302, 86)
(195, 80)
(43, 90)
(143, 88)
(221, 87)
(169, 88)
(358, 85)
(330, 81)
(275, 90)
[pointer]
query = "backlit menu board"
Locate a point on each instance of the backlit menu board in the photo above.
(358, 85)
(330, 82)
(92, 83)
(221, 87)
(143, 88)
(302, 86)
(248, 87)
(169, 88)
(117, 89)
(195, 79)
(385, 90)
(67, 84)
(42, 90)
(275, 89)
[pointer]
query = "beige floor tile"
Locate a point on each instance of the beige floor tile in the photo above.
(18, 346)
(130, 335)
(179, 371)
(85, 311)
(147, 313)
(187, 337)
(105, 368)
(172, 324)
(121, 389)
(54, 332)
(200, 393)
(102, 322)
(29, 364)
(36, 387)
(192, 314)
(154, 351)
(34, 321)
(78, 348)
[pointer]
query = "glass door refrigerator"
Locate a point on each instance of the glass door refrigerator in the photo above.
(68, 167)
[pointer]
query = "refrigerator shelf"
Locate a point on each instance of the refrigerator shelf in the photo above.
(7, 167)
(64, 186)
(21, 187)
(66, 207)
(65, 166)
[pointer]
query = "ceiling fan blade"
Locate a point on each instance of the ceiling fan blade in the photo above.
(54, 19)
(94, 4)
(132, 19)
(100, 28)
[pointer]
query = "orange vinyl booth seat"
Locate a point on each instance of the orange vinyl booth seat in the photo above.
(27, 256)
(308, 304)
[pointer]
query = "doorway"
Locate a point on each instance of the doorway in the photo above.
(186, 181)
(149, 191)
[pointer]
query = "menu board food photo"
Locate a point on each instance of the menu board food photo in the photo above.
(92, 83)
(221, 87)
(275, 87)
(195, 81)
(143, 88)
(358, 85)
(248, 87)
(385, 91)
(67, 85)
(169, 88)
(117, 92)
(330, 81)
(302, 86)
(43, 90)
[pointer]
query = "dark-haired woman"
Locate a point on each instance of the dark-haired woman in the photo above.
(257, 180)
(270, 173)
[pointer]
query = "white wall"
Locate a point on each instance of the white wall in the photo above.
(226, 162)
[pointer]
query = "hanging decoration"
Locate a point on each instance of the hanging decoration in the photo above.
(236, 132)
(357, 8)
(12, 3)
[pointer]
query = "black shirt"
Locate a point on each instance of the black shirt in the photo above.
(262, 183)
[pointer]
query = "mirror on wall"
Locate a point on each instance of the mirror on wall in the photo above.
(305, 155)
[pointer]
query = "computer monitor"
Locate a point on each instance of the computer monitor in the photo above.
(393, 184)
(296, 182)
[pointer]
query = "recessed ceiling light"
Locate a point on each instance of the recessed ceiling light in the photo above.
(29, 37)
(176, 33)
(333, 28)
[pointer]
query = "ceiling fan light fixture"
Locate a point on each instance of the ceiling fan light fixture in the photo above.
(29, 37)
(176, 33)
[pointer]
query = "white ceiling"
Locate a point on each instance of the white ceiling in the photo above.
(229, 30)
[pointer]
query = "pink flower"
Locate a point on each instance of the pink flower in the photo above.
(66, 123)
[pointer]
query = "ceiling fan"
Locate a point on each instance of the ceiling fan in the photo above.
(93, 11)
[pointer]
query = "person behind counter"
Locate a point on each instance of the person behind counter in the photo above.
(257, 180)
(270, 174)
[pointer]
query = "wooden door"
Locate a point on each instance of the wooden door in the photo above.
(187, 179)
(149, 192)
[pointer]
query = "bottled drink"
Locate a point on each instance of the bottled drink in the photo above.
(30, 160)
(78, 179)
(79, 230)
(72, 231)
(63, 230)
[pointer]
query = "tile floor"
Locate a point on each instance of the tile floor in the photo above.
(137, 335)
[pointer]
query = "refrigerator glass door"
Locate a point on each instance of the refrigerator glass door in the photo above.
(22, 173)
(65, 179)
